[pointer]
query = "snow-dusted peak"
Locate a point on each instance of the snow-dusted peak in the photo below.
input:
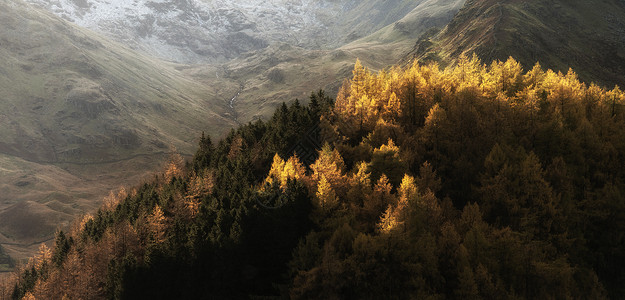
(204, 30)
(219, 30)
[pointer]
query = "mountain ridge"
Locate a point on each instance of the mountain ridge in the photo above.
(193, 31)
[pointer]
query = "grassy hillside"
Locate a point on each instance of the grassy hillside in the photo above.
(588, 36)
(80, 114)
(365, 18)
(69, 95)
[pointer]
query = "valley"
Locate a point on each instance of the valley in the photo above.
(88, 107)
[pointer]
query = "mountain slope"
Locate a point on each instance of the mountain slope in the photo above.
(218, 31)
(282, 72)
(588, 36)
(73, 102)
(81, 114)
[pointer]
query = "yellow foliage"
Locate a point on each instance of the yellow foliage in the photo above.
(362, 175)
(199, 185)
(86, 218)
(400, 95)
(43, 257)
(174, 167)
(388, 221)
(293, 169)
(383, 186)
(325, 194)
(534, 77)
(392, 108)
(330, 165)
(283, 171)
(113, 199)
(388, 148)
(407, 189)
(29, 296)
(394, 215)
(276, 169)
(434, 116)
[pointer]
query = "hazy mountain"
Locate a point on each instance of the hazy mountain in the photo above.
(214, 31)
(588, 36)
(73, 103)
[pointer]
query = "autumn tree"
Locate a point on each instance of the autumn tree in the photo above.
(157, 223)
(330, 165)
(282, 171)
(326, 195)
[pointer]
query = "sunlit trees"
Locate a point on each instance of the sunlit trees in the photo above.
(174, 166)
(387, 160)
(282, 171)
(326, 195)
(330, 165)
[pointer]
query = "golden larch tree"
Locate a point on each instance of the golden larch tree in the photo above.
(157, 225)
(326, 195)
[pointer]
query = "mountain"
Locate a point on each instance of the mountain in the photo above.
(588, 36)
(81, 114)
(273, 51)
(194, 31)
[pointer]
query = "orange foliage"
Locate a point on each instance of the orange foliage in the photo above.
(157, 223)
(175, 167)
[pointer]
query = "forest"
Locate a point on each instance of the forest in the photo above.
(476, 181)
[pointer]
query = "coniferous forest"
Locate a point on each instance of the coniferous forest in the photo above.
(477, 181)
